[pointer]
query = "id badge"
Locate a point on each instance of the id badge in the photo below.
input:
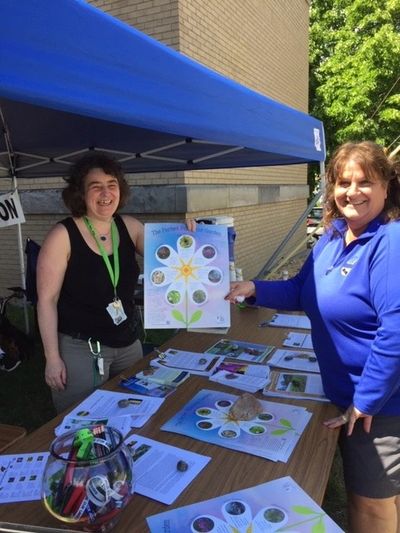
(100, 365)
(116, 311)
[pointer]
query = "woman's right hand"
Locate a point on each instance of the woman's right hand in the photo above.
(240, 290)
(56, 374)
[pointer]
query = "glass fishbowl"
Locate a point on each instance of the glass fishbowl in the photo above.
(88, 479)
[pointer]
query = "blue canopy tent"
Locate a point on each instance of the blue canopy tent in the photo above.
(73, 78)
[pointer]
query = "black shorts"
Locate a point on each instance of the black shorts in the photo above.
(371, 461)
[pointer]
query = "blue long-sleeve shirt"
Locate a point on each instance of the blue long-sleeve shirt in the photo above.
(352, 296)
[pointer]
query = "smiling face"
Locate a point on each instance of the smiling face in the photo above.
(101, 194)
(358, 198)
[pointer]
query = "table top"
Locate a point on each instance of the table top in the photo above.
(10, 435)
(309, 464)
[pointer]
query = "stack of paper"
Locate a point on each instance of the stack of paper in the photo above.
(272, 434)
(297, 385)
(240, 350)
(117, 409)
(295, 339)
(202, 364)
(250, 378)
(288, 321)
(278, 505)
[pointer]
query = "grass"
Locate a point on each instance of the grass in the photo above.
(25, 400)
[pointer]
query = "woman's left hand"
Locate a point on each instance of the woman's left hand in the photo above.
(350, 417)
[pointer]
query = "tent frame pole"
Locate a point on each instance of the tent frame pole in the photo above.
(267, 268)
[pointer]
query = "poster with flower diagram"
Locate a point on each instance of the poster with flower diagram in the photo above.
(278, 505)
(186, 276)
(273, 433)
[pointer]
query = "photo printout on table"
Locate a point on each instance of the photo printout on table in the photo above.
(283, 320)
(296, 339)
(272, 434)
(186, 276)
(294, 360)
(278, 505)
(244, 351)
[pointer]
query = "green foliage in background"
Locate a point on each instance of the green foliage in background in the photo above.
(355, 70)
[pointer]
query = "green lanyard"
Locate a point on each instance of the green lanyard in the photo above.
(114, 273)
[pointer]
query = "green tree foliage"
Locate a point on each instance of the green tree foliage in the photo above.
(355, 69)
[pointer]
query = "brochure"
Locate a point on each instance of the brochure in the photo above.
(201, 364)
(272, 434)
(186, 276)
(162, 472)
(288, 321)
(21, 476)
(164, 376)
(294, 360)
(245, 351)
(117, 409)
(298, 385)
(298, 340)
(278, 505)
(147, 388)
(244, 382)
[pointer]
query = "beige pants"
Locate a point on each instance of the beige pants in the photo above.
(82, 370)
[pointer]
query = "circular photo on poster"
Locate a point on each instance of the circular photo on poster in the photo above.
(163, 252)
(228, 434)
(199, 296)
(275, 515)
(257, 430)
(214, 275)
(186, 241)
(235, 507)
(208, 251)
(203, 524)
(203, 411)
(204, 424)
(173, 297)
(265, 417)
(157, 277)
(224, 403)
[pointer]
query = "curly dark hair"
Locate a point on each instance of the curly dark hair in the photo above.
(375, 164)
(74, 193)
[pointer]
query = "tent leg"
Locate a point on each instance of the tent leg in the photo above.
(22, 271)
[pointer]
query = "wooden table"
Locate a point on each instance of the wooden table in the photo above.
(9, 435)
(309, 464)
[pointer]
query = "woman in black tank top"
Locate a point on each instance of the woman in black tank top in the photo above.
(87, 274)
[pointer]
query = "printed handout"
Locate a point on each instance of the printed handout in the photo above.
(278, 505)
(294, 360)
(21, 476)
(202, 364)
(244, 351)
(118, 409)
(288, 321)
(296, 339)
(162, 471)
(186, 276)
(301, 386)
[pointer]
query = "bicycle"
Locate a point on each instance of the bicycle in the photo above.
(15, 345)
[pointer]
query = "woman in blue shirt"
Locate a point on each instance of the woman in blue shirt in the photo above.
(349, 287)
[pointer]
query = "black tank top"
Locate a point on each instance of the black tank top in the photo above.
(87, 290)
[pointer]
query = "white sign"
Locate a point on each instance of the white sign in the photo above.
(10, 210)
